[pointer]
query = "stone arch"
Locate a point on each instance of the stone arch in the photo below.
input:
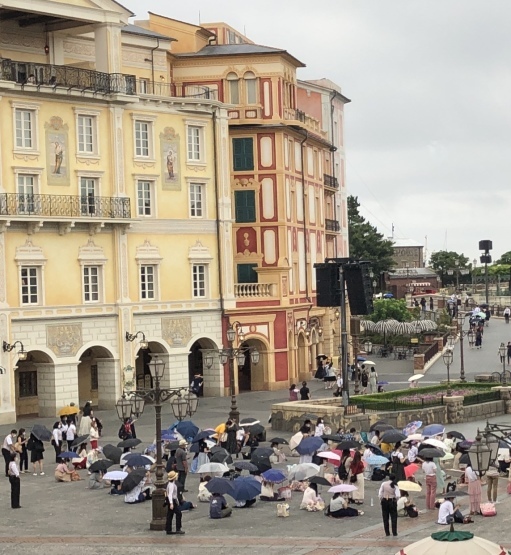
(34, 383)
(255, 377)
(98, 375)
(159, 348)
(196, 346)
(291, 357)
(302, 356)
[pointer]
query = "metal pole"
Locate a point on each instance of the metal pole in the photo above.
(234, 413)
(344, 340)
(462, 361)
(158, 497)
(486, 280)
(504, 377)
(355, 355)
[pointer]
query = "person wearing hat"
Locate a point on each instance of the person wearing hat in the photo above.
(172, 503)
(448, 512)
(182, 463)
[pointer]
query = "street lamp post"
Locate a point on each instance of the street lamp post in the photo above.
(447, 357)
(22, 354)
(229, 355)
(480, 454)
(502, 353)
(183, 403)
(461, 321)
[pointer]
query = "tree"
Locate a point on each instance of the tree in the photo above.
(441, 261)
(365, 241)
(504, 259)
(390, 308)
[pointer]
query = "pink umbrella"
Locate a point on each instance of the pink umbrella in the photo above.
(329, 455)
(342, 488)
(411, 469)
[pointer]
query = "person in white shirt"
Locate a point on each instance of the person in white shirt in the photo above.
(389, 494)
(56, 440)
(173, 504)
(8, 449)
(474, 490)
(14, 479)
(412, 452)
(70, 434)
(448, 512)
(320, 428)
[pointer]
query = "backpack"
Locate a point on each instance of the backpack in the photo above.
(343, 473)
(378, 475)
(30, 444)
(123, 434)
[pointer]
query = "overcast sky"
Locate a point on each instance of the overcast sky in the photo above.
(428, 129)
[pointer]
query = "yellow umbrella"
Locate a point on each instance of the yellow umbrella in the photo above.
(405, 485)
(66, 411)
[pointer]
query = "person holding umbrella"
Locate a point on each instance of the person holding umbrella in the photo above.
(172, 503)
(36, 448)
(338, 507)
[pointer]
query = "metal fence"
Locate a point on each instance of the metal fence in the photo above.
(478, 398)
(367, 405)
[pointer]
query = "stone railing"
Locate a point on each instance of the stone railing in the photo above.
(255, 290)
(310, 123)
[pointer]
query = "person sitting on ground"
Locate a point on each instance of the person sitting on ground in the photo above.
(405, 506)
(115, 487)
(204, 494)
(218, 507)
(80, 462)
(96, 480)
(244, 504)
(338, 507)
(311, 500)
(138, 494)
(448, 512)
(184, 505)
(268, 493)
(278, 456)
(64, 474)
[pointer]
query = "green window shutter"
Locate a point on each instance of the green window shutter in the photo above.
(244, 206)
(243, 154)
(247, 273)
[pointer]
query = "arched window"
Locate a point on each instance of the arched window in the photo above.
(234, 88)
(250, 87)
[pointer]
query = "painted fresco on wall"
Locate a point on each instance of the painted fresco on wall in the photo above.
(169, 145)
(57, 151)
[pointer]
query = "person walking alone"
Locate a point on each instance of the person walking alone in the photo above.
(172, 503)
(14, 479)
(373, 379)
(182, 463)
(388, 495)
(508, 352)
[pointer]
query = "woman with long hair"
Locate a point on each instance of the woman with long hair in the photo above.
(22, 440)
(398, 462)
(357, 478)
(474, 490)
(338, 507)
(56, 440)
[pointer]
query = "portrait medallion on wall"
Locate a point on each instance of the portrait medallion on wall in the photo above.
(176, 331)
(169, 145)
(64, 340)
(56, 143)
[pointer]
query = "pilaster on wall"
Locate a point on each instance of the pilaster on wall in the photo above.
(108, 382)
(57, 386)
(225, 208)
(116, 113)
(107, 39)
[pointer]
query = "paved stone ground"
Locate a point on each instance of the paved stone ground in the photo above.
(62, 518)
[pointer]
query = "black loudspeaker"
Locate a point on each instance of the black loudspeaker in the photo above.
(485, 259)
(360, 288)
(485, 245)
(328, 286)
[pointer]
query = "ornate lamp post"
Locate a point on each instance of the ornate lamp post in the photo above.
(480, 454)
(228, 355)
(22, 354)
(183, 403)
(502, 353)
(447, 357)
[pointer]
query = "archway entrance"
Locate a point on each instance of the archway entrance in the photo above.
(303, 357)
(195, 359)
(143, 378)
(254, 377)
(96, 377)
(29, 383)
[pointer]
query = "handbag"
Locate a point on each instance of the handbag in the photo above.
(353, 479)
(488, 509)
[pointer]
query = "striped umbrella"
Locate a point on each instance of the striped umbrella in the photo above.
(367, 325)
(385, 326)
(403, 328)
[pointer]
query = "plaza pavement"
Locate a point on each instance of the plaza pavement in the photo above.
(61, 518)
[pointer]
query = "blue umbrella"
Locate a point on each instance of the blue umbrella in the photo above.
(68, 455)
(136, 459)
(383, 383)
(388, 296)
(309, 445)
(274, 475)
(203, 435)
(376, 460)
(245, 488)
(187, 429)
(433, 430)
(361, 358)
(223, 486)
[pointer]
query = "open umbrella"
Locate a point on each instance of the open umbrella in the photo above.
(405, 485)
(433, 430)
(274, 475)
(136, 459)
(411, 469)
(303, 471)
(41, 433)
(377, 460)
(430, 453)
(361, 358)
(331, 437)
(80, 439)
(457, 435)
(369, 363)
(129, 443)
(262, 451)
(319, 480)
(392, 436)
(112, 453)
(413, 437)
(342, 488)
(464, 445)
(348, 444)
(68, 410)
(68, 455)
(133, 479)
(255, 429)
(309, 445)
(415, 377)
(375, 449)
(245, 465)
(465, 459)
(203, 435)
(246, 488)
(380, 426)
(187, 429)
(279, 440)
(412, 427)
(100, 466)
(213, 468)
(329, 455)
(115, 475)
(249, 422)
(295, 440)
(222, 456)
(223, 486)
(435, 443)
(453, 543)
(382, 382)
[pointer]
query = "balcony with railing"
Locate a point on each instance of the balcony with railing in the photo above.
(330, 181)
(34, 74)
(332, 225)
(310, 123)
(162, 88)
(255, 290)
(64, 206)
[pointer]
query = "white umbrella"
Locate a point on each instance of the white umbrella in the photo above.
(415, 377)
(405, 485)
(329, 455)
(413, 437)
(303, 471)
(295, 440)
(342, 488)
(435, 443)
(368, 363)
(213, 468)
(453, 543)
(367, 325)
(115, 475)
(447, 457)
(385, 326)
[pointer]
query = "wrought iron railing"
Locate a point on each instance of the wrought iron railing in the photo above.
(155, 88)
(330, 181)
(15, 204)
(36, 74)
(332, 225)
